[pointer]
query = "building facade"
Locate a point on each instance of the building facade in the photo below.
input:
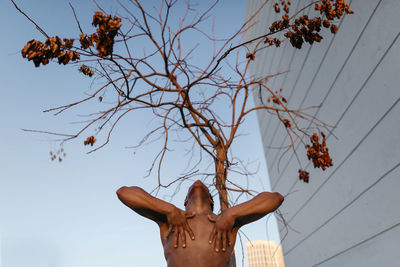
(262, 253)
(347, 215)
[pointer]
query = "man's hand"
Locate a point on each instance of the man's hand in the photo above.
(223, 226)
(178, 225)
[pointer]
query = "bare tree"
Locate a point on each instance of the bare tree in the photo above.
(200, 101)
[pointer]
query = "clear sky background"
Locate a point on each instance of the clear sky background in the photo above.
(67, 214)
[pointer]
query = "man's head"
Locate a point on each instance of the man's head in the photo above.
(197, 191)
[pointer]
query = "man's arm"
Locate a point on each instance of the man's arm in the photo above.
(256, 208)
(157, 210)
(237, 216)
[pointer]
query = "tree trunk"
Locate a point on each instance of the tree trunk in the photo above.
(221, 171)
(221, 166)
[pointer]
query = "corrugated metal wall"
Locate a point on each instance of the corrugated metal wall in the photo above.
(349, 214)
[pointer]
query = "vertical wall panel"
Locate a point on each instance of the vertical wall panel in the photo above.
(349, 211)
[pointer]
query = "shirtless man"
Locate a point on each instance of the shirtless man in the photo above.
(212, 237)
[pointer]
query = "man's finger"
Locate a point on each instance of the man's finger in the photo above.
(176, 237)
(223, 241)
(183, 236)
(212, 235)
(218, 242)
(189, 230)
(169, 230)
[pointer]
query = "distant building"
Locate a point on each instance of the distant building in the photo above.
(264, 253)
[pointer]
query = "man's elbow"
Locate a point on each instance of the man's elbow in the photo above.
(129, 192)
(275, 199)
(273, 195)
(279, 198)
(121, 191)
(125, 190)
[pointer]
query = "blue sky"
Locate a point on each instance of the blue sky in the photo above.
(67, 214)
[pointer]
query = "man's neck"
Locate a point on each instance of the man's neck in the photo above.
(198, 205)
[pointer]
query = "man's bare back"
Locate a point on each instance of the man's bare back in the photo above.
(197, 237)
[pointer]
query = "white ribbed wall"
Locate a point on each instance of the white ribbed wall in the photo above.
(349, 214)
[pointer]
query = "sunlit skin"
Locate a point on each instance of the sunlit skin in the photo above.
(197, 237)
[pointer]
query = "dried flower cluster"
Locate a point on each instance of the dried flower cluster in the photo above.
(304, 175)
(60, 154)
(280, 24)
(103, 38)
(305, 29)
(333, 9)
(284, 23)
(89, 141)
(274, 41)
(277, 98)
(86, 70)
(287, 123)
(54, 47)
(318, 152)
(284, 4)
(250, 56)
